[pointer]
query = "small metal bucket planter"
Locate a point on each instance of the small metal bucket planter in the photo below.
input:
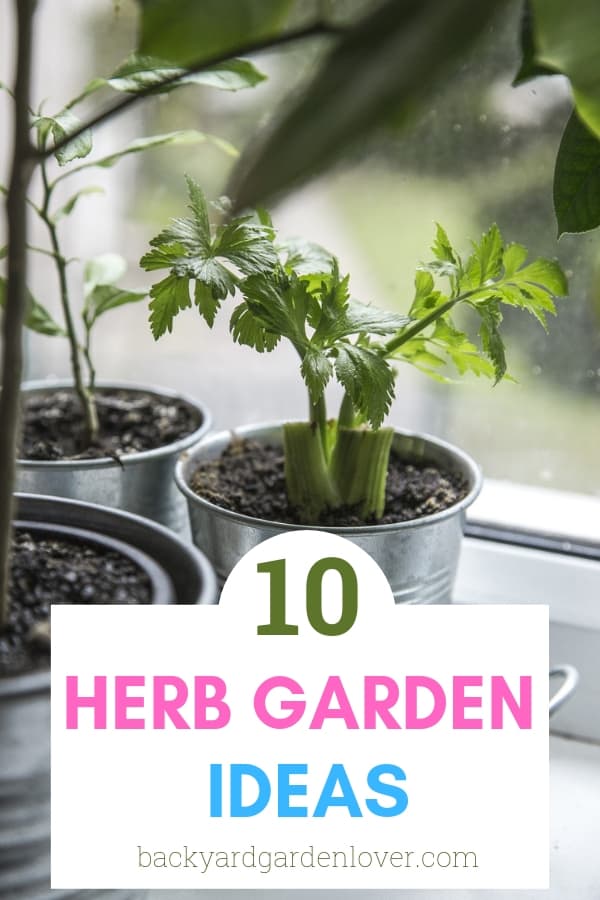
(419, 558)
(179, 573)
(140, 483)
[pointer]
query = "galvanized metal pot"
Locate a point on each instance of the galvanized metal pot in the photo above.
(180, 574)
(140, 483)
(419, 558)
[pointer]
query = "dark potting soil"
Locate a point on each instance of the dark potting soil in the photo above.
(130, 422)
(45, 570)
(249, 478)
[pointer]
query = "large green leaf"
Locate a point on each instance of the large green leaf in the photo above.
(530, 67)
(567, 39)
(577, 179)
(185, 31)
(37, 317)
(385, 65)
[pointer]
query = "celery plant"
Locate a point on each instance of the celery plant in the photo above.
(296, 292)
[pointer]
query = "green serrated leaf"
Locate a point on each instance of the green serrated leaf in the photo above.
(491, 339)
(514, 257)
(279, 303)
(442, 248)
(208, 305)
(546, 274)
(169, 297)
(37, 317)
(188, 248)
(577, 179)
(61, 126)
(245, 329)
(368, 379)
(316, 370)
(485, 262)
(306, 258)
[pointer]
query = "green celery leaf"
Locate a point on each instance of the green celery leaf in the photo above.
(306, 258)
(185, 31)
(188, 248)
(361, 317)
(279, 303)
(491, 339)
(37, 317)
(208, 305)
(245, 329)
(485, 262)
(442, 248)
(514, 257)
(61, 126)
(577, 179)
(169, 296)
(316, 370)
(368, 379)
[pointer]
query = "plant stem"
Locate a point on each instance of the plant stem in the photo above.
(16, 292)
(359, 468)
(406, 335)
(318, 420)
(315, 30)
(309, 486)
(347, 416)
(83, 391)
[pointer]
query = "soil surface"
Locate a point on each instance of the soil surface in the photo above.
(249, 478)
(130, 422)
(45, 570)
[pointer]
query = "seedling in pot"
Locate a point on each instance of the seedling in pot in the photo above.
(102, 274)
(295, 291)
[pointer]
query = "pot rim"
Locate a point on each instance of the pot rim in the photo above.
(38, 681)
(193, 453)
(128, 459)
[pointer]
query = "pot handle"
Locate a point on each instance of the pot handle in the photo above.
(570, 680)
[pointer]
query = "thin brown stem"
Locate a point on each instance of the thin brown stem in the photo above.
(85, 394)
(315, 30)
(16, 293)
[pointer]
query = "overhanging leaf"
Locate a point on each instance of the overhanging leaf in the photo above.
(577, 179)
(530, 67)
(245, 329)
(385, 64)
(139, 73)
(184, 31)
(566, 39)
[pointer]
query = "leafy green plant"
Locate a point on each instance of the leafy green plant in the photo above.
(100, 290)
(295, 291)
